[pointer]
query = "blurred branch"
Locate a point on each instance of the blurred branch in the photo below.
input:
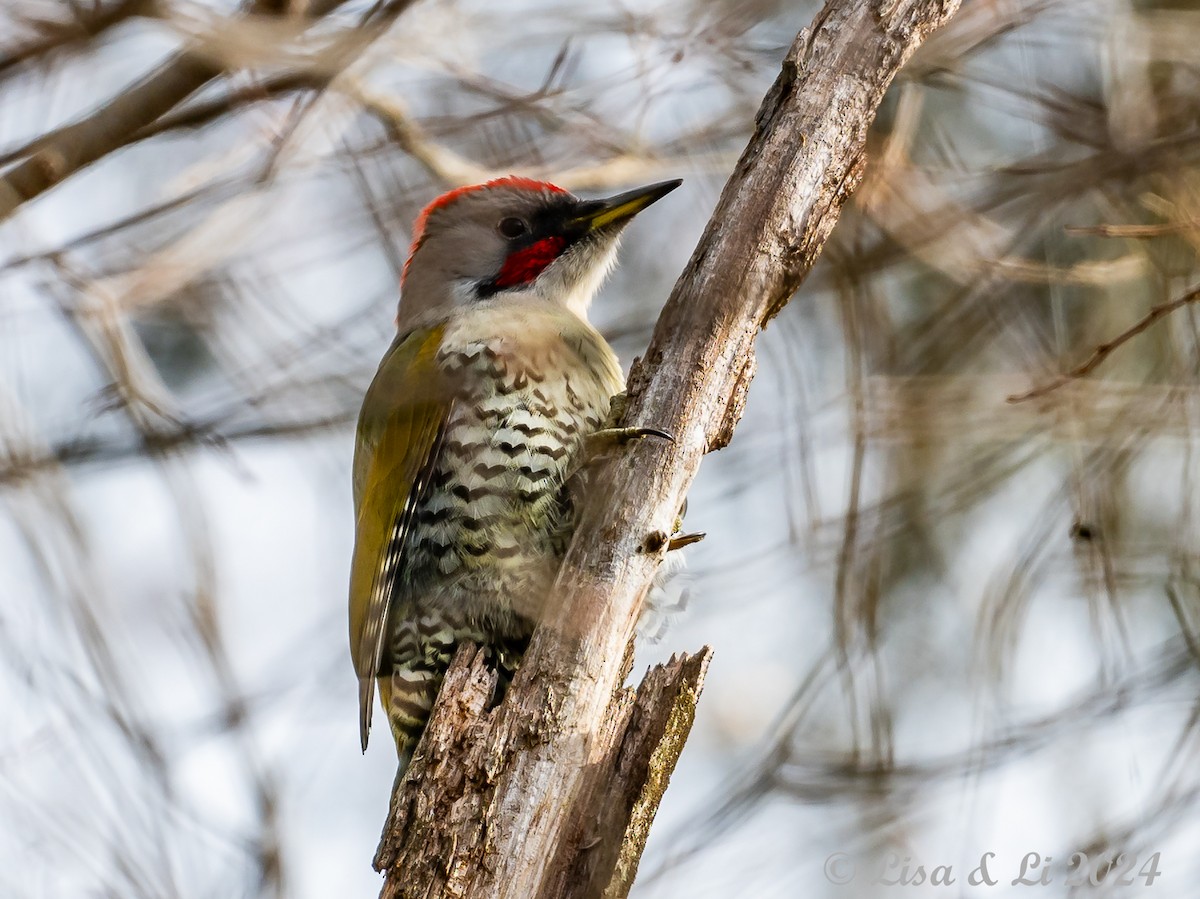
(86, 21)
(187, 436)
(1103, 351)
(977, 28)
(199, 114)
(444, 165)
(516, 815)
(55, 157)
(454, 170)
(1135, 231)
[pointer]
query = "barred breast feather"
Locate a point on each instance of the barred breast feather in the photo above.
(525, 385)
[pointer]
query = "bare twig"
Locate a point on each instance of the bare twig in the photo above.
(1134, 231)
(1103, 351)
(55, 157)
(52, 159)
(199, 114)
(85, 22)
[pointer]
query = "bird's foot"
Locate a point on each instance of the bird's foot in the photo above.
(608, 436)
(614, 434)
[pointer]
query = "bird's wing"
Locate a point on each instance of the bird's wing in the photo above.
(399, 435)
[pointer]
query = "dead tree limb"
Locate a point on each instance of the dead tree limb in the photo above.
(514, 801)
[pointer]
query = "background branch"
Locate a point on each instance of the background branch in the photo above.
(123, 119)
(1104, 350)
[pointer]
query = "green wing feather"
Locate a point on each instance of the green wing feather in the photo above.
(399, 434)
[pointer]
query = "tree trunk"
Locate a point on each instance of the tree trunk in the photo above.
(551, 793)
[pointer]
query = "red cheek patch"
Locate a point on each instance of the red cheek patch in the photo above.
(523, 265)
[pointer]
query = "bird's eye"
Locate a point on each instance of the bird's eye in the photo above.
(512, 227)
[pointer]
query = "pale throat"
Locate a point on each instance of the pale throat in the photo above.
(569, 282)
(573, 282)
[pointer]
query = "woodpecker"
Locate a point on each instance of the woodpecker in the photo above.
(474, 423)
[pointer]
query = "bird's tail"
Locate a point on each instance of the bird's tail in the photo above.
(408, 693)
(421, 650)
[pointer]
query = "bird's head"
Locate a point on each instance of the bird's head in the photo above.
(514, 238)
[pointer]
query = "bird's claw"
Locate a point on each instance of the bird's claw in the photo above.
(624, 435)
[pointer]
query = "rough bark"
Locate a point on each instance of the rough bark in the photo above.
(510, 809)
(447, 789)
